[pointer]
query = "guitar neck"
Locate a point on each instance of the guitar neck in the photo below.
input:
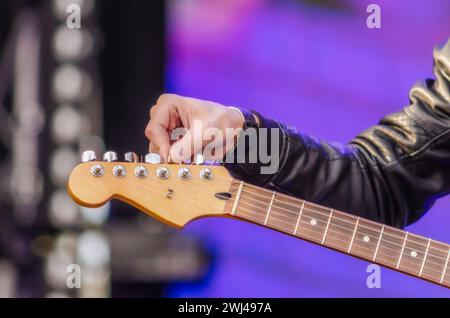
(402, 251)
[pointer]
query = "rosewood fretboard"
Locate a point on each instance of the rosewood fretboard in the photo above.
(412, 254)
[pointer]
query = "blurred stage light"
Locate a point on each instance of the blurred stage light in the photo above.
(60, 7)
(62, 162)
(63, 254)
(63, 212)
(93, 249)
(96, 216)
(93, 142)
(26, 187)
(71, 44)
(8, 279)
(71, 84)
(67, 124)
(94, 257)
(57, 294)
(95, 283)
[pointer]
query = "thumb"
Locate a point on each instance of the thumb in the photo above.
(159, 140)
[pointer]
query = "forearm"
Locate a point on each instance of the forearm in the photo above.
(391, 173)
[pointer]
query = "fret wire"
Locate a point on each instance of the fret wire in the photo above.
(328, 225)
(274, 212)
(429, 248)
(270, 208)
(312, 204)
(384, 240)
(445, 267)
(299, 216)
(238, 196)
(339, 239)
(378, 244)
(343, 220)
(401, 252)
(359, 232)
(425, 258)
(353, 236)
(320, 213)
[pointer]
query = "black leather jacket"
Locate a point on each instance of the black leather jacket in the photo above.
(391, 173)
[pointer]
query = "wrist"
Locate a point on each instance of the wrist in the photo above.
(239, 120)
(247, 118)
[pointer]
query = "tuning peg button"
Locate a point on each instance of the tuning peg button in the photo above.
(131, 157)
(163, 173)
(206, 174)
(88, 156)
(120, 171)
(97, 171)
(198, 159)
(141, 172)
(184, 174)
(110, 156)
(153, 158)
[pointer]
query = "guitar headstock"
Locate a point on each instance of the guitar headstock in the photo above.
(172, 193)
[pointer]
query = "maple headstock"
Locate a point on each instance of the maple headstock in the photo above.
(172, 193)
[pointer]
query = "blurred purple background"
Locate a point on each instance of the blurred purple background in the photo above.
(323, 71)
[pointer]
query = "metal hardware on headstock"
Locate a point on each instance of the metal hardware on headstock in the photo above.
(153, 158)
(169, 194)
(163, 173)
(185, 174)
(198, 159)
(97, 170)
(206, 174)
(141, 172)
(174, 193)
(110, 156)
(120, 171)
(131, 157)
(88, 156)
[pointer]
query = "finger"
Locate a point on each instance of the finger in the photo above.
(189, 145)
(157, 131)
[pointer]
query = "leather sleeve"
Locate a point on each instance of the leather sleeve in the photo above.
(391, 173)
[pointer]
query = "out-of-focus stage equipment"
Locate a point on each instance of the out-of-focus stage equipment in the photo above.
(64, 90)
(179, 194)
(132, 64)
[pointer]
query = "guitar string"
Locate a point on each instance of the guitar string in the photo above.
(196, 201)
(340, 219)
(297, 207)
(270, 193)
(405, 264)
(394, 256)
(230, 183)
(296, 212)
(314, 211)
(383, 239)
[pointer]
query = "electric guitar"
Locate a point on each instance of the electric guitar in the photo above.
(178, 194)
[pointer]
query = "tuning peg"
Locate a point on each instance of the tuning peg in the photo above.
(131, 157)
(153, 158)
(198, 159)
(88, 156)
(110, 156)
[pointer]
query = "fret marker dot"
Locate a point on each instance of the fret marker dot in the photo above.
(313, 222)
(413, 253)
(366, 239)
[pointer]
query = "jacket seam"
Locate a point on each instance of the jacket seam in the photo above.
(418, 153)
(419, 122)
